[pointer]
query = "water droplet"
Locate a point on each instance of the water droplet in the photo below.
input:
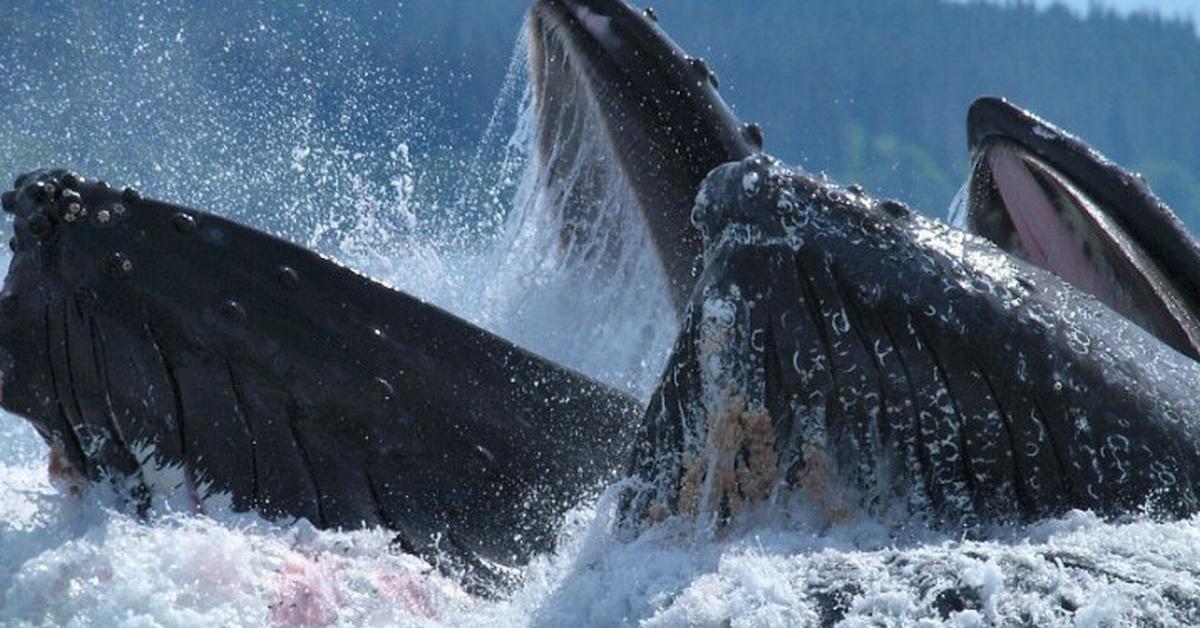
(183, 223)
(119, 265)
(383, 389)
(233, 311)
(287, 276)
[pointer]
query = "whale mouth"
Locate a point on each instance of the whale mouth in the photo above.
(1034, 212)
(1045, 212)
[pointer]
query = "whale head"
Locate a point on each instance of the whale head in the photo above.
(196, 364)
(604, 73)
(1047, 197)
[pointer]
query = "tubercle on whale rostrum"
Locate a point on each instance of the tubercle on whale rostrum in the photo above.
(49, 204)
(46, 200)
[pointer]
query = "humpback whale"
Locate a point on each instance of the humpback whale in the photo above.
(143, 338)
(1047, 197)
(140, 336)
(660, 114)
(835, 346)
(875, 361)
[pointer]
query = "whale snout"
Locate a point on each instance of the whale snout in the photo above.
(65, 361)
(603, 22)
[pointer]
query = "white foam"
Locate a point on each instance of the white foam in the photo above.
(63, 560)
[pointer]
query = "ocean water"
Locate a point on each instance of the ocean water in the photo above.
(66, 561)
(317, 155)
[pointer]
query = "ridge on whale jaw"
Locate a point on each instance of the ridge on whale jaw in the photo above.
(177, 355)
(617, 104)
(1050, 199)
(872, 361)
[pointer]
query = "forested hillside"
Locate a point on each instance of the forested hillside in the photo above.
(870, 91)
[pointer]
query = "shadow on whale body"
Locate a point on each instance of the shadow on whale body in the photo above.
(871, 360)
(1050, 199)
(141, 335)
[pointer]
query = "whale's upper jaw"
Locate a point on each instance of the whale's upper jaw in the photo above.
(635, 69)
(1045, 196)
(186, 358)
(602, 71)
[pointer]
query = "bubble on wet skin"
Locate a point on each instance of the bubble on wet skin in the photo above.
(1045, 133)
(1078, 341)
(750, 182)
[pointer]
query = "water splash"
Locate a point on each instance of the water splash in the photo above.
(575, 277)
(296, 129)
(960, 206)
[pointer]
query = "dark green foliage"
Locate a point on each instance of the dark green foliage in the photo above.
(870, 91)
(875, 90)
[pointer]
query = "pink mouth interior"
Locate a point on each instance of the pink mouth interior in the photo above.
(1047, 241)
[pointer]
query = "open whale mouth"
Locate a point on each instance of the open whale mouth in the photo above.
(1043, 196)
(621, 111)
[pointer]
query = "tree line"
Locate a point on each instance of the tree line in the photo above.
(869, 91)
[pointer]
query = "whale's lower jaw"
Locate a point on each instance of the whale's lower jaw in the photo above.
(140, 336)
(868, 360)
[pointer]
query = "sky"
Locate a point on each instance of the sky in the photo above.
(1186, 7)
(1173, 8)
